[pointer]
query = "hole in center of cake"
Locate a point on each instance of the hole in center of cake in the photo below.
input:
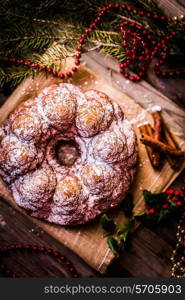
(67, 152)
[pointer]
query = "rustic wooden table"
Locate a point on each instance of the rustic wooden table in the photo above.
(150, 250)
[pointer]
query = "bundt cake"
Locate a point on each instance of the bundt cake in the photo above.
(68, 155)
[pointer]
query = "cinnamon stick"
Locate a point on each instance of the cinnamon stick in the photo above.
(160, 146)
(158, 122)
(157, 135)
(169, 140)
(154, 157)
(144, 131)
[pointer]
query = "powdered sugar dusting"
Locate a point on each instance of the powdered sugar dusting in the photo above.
(99, 177)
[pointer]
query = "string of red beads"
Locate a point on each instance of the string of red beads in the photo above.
(132, 41)
(37, 249)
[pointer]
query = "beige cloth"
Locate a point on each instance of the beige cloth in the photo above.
(87, 240)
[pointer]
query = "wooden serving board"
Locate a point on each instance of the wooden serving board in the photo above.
(87, 240)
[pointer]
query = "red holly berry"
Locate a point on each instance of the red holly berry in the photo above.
(170, 191)
(151, 211)
(165, 206)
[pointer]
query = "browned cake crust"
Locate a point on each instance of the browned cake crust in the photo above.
(97, 179)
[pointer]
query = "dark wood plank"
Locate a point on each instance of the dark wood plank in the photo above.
(16, 228)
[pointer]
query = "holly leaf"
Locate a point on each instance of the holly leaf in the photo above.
(125, 227)
(123, 236)
(163, 214)
(113, 245)
(153, 199)
(127, 205)
(107, 224)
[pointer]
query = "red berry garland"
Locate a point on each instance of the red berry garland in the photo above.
(37, 249)
(138, 43)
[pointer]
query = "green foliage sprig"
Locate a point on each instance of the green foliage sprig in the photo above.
(31, 28)
(158, 208)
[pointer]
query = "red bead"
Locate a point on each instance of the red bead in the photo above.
(43, 67)
(74, 69)
(49, 71)
(126, 75)
(149, 37)
(151, 211)
(141, 73)
(28, 246)
(91, 25)
(81, 42)
(36, 66)
(134, 11)
(155, 16)
(148, 14)
(132, 78)
(124, 44)
(34, 248)
(49, 251)
(123, 6)
(55, 73)
(100, 14)
(121, 70)
(78, 48)
(69, 74)
(42, 249)
(83, 36)
(61, 75)
(137, 78)
(56, 253)
(153, 42)
(123, 65)
(78, 55)
(110, 5)
(117, 5)
(141, 13)
(96, 21)
(2, 267)
(104, 8)
(28, 63)
(171, 73)
(13, 59)
(163, 18)
(179, 203)
(77, 62)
